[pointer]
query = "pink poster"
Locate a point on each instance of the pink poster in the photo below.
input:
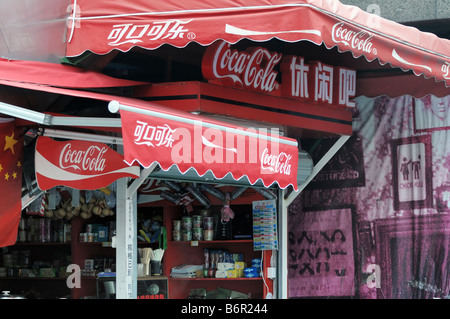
(394, 174)
(431, 113)
(321, 258)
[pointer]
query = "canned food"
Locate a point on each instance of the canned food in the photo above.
(197, 234)
(176, 235)
(186, 223)
(196, 221)
(186, 235)
(208, 223)
(208, 234)
(176, 224)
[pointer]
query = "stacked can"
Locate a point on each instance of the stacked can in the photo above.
(176, 230)
(197, 230)
(186, 228)
(208, 228)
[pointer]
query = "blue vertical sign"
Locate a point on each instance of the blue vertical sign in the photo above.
(265, 225)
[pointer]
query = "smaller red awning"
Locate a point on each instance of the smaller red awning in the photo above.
(153, 134)
(203, 144)
(171, 137)
(78, 164)
(57, 75)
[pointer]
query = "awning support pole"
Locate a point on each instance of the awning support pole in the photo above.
(70, 135)
(138, 182)
(284, 230)
(30, 197)
(126, 250)
(126, 257)
(318, 167)
(51, 120)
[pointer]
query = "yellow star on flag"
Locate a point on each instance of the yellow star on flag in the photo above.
(9, 142)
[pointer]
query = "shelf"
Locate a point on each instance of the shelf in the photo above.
(217, 279)
(33, 278)
(42, 243)
(213, 242)
(104, 244)
(152, 278)
(192, 253)
(139, 278)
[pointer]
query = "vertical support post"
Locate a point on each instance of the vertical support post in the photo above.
(282, 276)
(126, 237)
(126, 250)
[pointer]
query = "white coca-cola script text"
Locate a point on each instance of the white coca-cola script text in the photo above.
(252, 70)
(279, 163)
(91, 159)
(360, 40)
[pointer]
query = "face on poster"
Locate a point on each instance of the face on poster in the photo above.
(432, 113)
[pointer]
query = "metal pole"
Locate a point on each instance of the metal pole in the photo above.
(318, 167)
(282, 277)
(126, 250)
(126, 238)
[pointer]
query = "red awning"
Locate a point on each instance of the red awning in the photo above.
(157, 134)
(57, 75)
(78, 164)
(153, 134)
(101, 26)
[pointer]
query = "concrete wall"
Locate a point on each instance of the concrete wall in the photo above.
(405, 10)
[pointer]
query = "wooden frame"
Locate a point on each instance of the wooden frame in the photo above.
(396, 241)
(412, 172)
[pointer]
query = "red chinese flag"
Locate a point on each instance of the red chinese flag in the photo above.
(11, 151)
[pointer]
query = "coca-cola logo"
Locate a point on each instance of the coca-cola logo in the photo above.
(91, 159)
(279, 163)
(252, 69)
(446, 70)
(361, 40)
